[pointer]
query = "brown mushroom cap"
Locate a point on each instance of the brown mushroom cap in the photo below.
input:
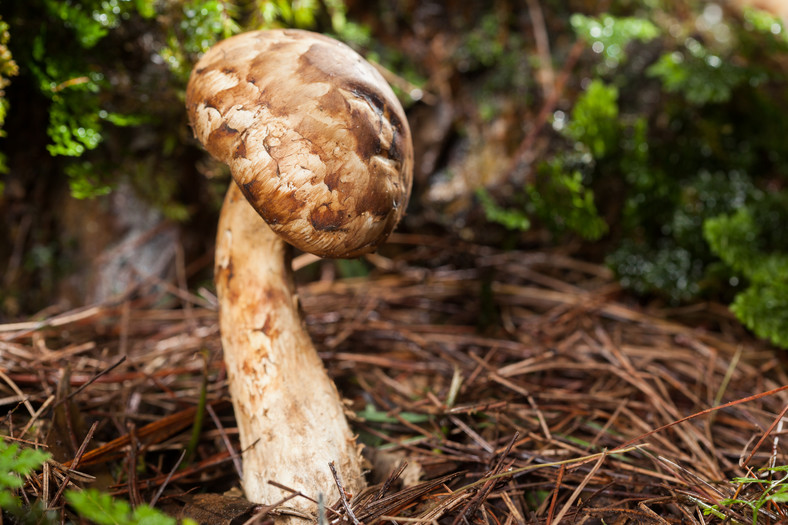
(314, 137)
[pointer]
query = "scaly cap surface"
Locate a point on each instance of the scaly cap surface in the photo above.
(314, 137)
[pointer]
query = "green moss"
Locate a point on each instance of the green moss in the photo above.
(563, 201)
(201, 23)
(91, 89)
(609, 36)
(8, 69)
(686, 125)
(701, 76)
(744, 241)
(560, 195)
(594, 120)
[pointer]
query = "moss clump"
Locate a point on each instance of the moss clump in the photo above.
(8, 69)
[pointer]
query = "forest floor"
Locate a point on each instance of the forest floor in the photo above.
(516, 387)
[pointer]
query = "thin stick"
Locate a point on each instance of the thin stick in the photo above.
(159, 492)
(701, 413)
(573, 461)
(476, 502)
(766, 434)
(199, 415)
(125, 314)
(548, 106)
(392, 477)
(46, 475)
(579, 489)
(295, 493)
(547, 74)
(18, 391)
(134, 495)
(38, 413)
(80, 314)
(90, 381)
(554, 500)
(226, 440)
(264, 510)
(342, 494)
(180, 274)
(321, 510)
(75, 462)
(728, 376)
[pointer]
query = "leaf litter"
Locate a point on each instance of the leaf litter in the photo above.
(488, 386)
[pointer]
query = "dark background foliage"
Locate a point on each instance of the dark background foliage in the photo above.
(650, 135)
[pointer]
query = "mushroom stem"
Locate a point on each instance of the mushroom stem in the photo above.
(290, 416)
(320, 146)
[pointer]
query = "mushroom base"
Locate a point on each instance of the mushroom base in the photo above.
(290, 416)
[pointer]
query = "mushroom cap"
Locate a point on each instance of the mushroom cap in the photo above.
(314, 136)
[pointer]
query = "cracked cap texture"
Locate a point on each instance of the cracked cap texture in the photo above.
(314, 136)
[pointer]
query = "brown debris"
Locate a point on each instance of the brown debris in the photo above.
(526, 388)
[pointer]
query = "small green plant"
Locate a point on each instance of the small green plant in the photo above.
(563, 202)
(510, 218)
(771, 491)
(15, 464)
(103, 509)
(90, 505)
(742, 240)
(560, 195)
(594, 121)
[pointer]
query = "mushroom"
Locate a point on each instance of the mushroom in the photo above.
(320, 151)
